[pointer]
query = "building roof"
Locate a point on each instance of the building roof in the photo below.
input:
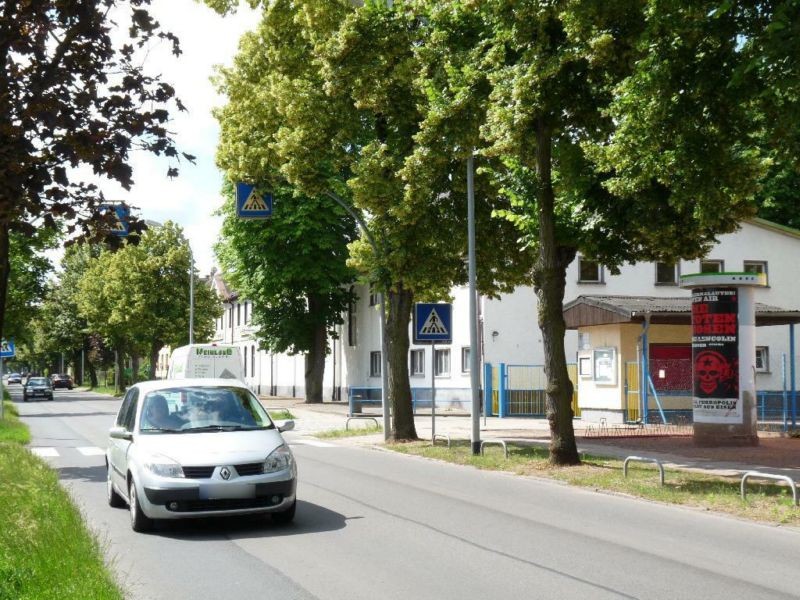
(226, 294)
(605, 310)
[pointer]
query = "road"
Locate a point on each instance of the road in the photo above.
(374, 524)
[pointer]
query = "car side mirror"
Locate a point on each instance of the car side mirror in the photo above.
(286, 426)
(120, 433)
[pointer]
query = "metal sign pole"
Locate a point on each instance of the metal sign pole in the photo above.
(473, 313)
(433, 393)
(191, 296)
(2, 395)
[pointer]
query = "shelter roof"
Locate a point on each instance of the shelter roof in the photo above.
(585, 311)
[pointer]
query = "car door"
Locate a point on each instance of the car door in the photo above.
(118, 447)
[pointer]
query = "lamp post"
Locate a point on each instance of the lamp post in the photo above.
(382, 314)
(191, 295)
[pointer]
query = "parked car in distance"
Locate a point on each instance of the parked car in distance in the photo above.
(198, 448)
(14, 378)
(37, 387)
(62, 380)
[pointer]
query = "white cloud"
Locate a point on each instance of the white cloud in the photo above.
(190, 200)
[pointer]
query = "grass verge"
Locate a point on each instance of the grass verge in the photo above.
(108, 390)
(355, 431)
(764, 502)
(281, 415)
(46, 551)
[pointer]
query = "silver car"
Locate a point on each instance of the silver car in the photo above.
(198, 448)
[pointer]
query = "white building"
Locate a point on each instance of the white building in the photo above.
(508, 326)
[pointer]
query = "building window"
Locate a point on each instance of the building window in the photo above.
(589, 271)
(465, 359)
(442, 363)
(238, 314)
(252, 361)
(375, 364)
(762, 359)
(352, 322)
(245, 361)
(373, 296)
(418, 362)
(756, 266)
(712, 266)
(245, 311)
(666, 274)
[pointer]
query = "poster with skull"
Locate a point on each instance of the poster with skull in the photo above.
(715, 355)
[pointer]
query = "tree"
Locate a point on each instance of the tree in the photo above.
(69, 98)
(618, 131)
(137, 297)
(334, 86)
(293, 266)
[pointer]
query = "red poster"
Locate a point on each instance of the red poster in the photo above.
(715, 354)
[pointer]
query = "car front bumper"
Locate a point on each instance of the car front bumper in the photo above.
(180, 499)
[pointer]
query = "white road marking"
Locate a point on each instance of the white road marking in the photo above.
(91, 451)
(44, 452)
(314, 443)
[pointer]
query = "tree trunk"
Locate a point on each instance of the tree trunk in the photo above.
(89, 365)
(5, 271)
(155, 346)
(315, 364)
(550, 273)
(399, 392)
(134, 368)
(119, 380)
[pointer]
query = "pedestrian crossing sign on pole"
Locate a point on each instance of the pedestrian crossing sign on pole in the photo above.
(121, 213)
(433, 323)
(250, 204)
(7, 349)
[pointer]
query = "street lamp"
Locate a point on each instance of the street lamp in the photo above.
(382, 301)
(191, 295)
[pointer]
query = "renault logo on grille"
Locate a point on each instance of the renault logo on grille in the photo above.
(225, 472)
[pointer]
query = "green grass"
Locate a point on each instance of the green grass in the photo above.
(764, 502)
(281, 415)
(11, 429)
(354, 431)
(46, 551)
(105, 389)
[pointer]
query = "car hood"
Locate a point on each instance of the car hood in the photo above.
(215, 448)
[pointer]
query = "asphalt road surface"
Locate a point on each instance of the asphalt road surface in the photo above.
(377, 525)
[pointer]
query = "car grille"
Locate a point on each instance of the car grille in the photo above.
(198, 472)
(225, 504)
(250, 469)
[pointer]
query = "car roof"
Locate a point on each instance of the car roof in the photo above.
(163, 384)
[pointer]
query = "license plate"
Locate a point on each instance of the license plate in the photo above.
(217, 491)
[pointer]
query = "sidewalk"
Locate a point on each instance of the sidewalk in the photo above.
(780, 456)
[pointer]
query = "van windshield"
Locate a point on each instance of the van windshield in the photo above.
(187, 409)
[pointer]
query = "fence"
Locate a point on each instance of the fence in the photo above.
(521, 390)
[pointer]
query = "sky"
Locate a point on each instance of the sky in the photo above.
(190, 199)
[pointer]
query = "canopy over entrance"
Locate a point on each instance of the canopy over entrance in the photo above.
(585, 311)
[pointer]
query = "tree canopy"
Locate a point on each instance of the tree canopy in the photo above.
(74, 104)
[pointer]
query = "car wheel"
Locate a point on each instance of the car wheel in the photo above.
(140, 522)
(24, 398)
(114, 499)
(285, 516)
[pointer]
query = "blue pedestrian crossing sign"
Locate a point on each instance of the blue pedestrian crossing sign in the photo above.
(7, 349)
(433, 323)
(250, 204)
(121, 214)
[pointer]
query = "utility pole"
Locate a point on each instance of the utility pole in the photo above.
(474, 366)
(191, 295)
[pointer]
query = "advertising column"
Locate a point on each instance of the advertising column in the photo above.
(723, 358)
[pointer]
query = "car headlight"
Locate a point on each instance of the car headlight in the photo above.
(163, 466)
(279, 460)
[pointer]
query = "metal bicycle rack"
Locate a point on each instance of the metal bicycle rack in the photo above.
(497, 442)
(441, 436)
(643, 459)
(347, 425)
(760, 475)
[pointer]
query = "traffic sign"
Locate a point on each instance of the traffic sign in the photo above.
(250, 204)
(121, 221)
(7, 349)
(433, 323)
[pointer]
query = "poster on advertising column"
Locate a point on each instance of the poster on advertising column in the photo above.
(715, 356)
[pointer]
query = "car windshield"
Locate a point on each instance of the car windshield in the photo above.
(202, 409)
(38, 381)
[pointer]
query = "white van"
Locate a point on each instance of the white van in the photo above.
(206, 361)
